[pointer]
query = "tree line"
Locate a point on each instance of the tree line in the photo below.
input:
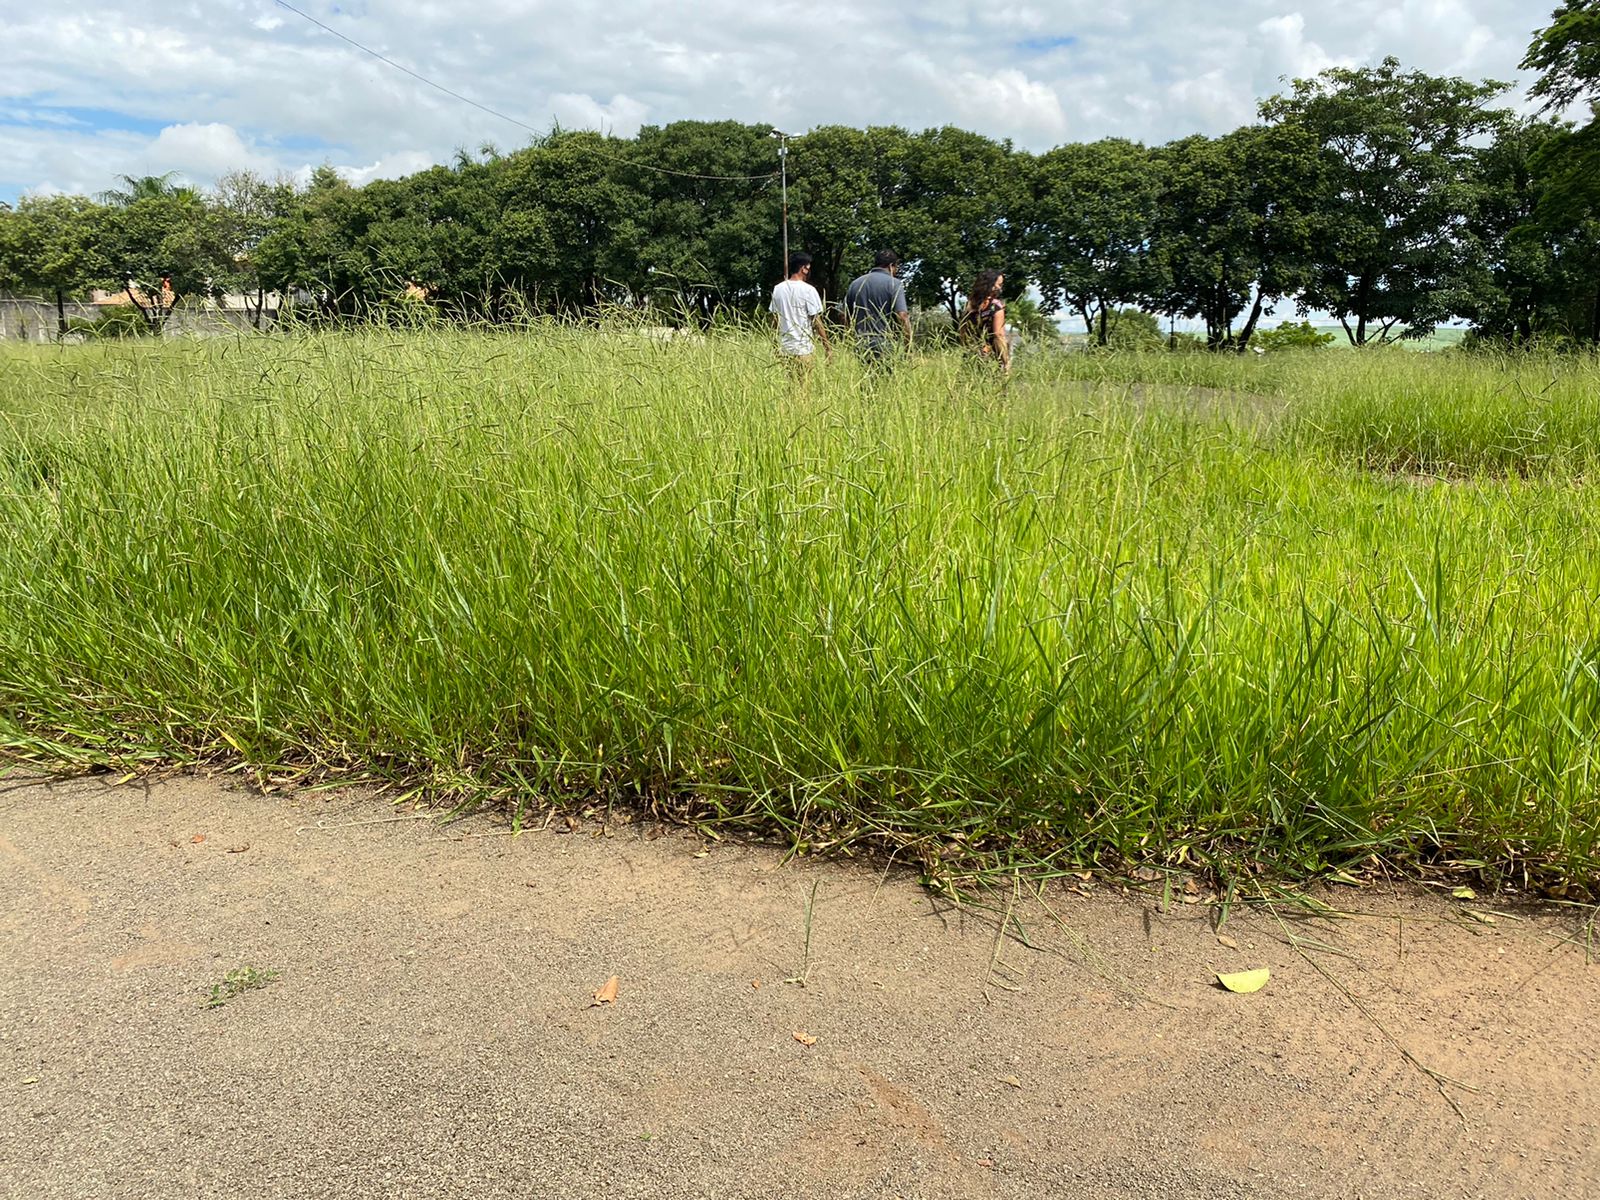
(1390, 198)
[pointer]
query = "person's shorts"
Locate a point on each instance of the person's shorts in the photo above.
(879, 354)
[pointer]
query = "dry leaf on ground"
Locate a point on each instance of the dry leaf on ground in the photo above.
(237, 849)
(1245, 981)
(1011, 1081)
(805, 1039)
(1224, 940)
(606, 993)
(756, 983)
(198, 838)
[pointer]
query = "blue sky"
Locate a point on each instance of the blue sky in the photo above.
(101, 89)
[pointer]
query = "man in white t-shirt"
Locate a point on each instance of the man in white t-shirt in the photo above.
(798, 310)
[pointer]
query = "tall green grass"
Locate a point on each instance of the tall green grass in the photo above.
(1453, 414)
(1050, 624)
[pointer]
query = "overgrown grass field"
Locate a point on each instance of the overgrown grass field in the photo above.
(1277, 614)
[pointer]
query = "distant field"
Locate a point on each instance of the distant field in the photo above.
(1279, 613)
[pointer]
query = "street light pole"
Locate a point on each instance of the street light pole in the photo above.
(783, 174)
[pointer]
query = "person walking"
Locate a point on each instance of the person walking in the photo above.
(798, 311)
(871, 302)
(983, 323)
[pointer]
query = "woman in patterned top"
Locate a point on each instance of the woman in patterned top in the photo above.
(983, 324)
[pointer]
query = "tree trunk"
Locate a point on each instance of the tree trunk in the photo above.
(61, 315)
(143, 311)
(1361, 314)
(1249, 330)
(1104, 338)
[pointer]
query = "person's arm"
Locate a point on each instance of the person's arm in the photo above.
(821, 327)
(815, 309)
(901, 312)
(1001, 344)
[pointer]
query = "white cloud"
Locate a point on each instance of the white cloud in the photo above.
(198, 80)
(1029, 106)
(391, 166)
(622, 116)
(1286, 52)
(198, 151)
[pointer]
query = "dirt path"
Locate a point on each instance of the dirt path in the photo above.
(429, 1034)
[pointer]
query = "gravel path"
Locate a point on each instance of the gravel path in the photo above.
(430, 1031)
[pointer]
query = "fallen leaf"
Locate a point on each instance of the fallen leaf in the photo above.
(985, 1162)
(1224, 940)
(1011, 1081)
(703, 854)
(805, 1039)
(606, 993)
(1190, 888)
(756, 983)
(1464, 893)
(30, 1082)
(1245, 981)
(237, 849)
(1481, 918)
(573, 824)
(198, 838)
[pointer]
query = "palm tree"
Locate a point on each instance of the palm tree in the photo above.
(143, 187)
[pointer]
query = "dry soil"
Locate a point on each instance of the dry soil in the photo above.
(430, 1031)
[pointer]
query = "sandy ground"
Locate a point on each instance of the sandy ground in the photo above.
(431, 1034)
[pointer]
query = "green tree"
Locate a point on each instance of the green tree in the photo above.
(247, 208)
(311, 250)
(1567, 164)
(1233, 232)
(567, 183)
(1567, 55)
(53, 245)
(141, 187)
(702, 230)
(1092, 218)
(967, 192)
(1397, 146)
(852, 192)
(161, 243)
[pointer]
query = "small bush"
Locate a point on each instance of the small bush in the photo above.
(1292, 336)
(119, 322)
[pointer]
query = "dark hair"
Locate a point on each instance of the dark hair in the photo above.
(885, 258)
(982, 288)
(798, 261)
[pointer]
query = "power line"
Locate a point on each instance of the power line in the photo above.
(495, 112)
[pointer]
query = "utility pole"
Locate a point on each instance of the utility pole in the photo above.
(783, 174)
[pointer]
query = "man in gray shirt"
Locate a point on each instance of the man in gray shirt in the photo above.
(868, 304)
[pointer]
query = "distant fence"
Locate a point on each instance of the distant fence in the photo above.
(27, 320)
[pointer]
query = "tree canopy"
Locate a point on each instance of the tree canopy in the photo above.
(1391, 198)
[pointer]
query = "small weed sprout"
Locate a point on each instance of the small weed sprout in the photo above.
(238, 981)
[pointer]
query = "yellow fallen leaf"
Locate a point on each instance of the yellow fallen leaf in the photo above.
(805, 1039)
(1245, 981)
(606, 993)
(1464, 893)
